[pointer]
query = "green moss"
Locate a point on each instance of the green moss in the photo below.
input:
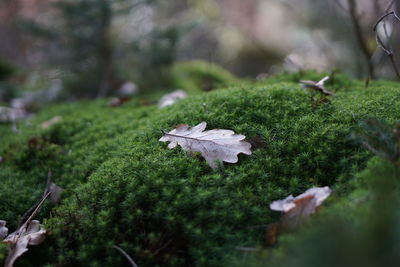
(124, 187)
(358, 230)
(193, 76)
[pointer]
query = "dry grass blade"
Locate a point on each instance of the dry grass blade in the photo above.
(131, 261)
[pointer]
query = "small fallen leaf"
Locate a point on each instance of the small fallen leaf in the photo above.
(51, 122)
(55, 192)
(30, 234)
(295, 209)
(3, 229)
(318, 86)
(171, 98)
(127, 89)
(118, 101)
(214, 145)
(12, 114)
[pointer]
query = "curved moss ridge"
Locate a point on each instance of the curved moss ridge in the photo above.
(164, 208)
(196, 75)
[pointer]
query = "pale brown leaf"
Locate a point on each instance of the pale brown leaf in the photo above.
(214, 145)
(30, 234)
(12, 114)
(318, 86)
(51, 122)
(3, 229)
(297, 208)
(171, 98)
(55, 192)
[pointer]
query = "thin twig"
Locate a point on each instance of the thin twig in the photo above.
(387, 47)
(49, 175)
(360, 37)
(162, 247)
(46, 191)
(37, 208)
(126, 255)
(389, 6)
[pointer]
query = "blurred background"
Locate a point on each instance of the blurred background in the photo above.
(71, 49)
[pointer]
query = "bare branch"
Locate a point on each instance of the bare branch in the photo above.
(360, 37)
(387, 47)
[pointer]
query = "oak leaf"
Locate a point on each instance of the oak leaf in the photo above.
(12, 114)
(318, 86)
(170, 99)
(29, 234)
(51, 122)
(214, 145)
(3, 229)
(296, 209)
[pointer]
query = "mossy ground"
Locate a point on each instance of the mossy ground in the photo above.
(124, 187)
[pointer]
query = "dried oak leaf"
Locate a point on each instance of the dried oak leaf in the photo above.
(297, 208)
(55, 192)
(118, 101)
(30, 234)
(51, 122)
(171, 98)
(318, 86)
(12, 114)
(3, 229)
(214, 145)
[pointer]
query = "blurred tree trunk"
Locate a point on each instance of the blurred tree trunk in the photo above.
(106, 51)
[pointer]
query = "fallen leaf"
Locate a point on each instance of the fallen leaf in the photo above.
(295, 209)
(318, 86)
(127, 89)
(55, 192)
(33, 100)
(214, 145)
(171, 98)
(12, 114)
(30, 234)
(3, 229)
(51, 122)
(118, 101)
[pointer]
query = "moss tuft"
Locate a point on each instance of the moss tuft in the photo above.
(200, 75)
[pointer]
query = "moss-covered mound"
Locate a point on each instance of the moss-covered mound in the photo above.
(193, 76)
(123, 187)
